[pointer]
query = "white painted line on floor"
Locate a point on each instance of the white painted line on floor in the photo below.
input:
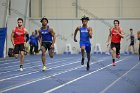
(66, 64)
(109, 86)
(76, 79)
(11, 70)
(39, 79)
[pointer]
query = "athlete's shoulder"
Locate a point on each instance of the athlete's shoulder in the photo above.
(14, 29)
(78, 27)
(89, 28)
(111, 28)
(50, 29)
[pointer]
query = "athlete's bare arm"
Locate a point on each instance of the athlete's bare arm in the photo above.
(12, 37)
(90, 32)
(75, 33)
(26, 31)
(40, 38)
(53, 36)
(109, 37)
(122, 34)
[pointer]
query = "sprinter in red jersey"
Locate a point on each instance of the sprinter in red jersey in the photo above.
(18, 41)
(114, 38)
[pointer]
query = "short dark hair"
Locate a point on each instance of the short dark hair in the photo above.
(117, 21)
(85, 18)
(44, 18)
(131, 29)
(20, 19)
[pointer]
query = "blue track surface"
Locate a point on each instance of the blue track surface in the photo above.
(65, 74)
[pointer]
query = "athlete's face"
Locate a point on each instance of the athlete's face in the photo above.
(20, 23)
(33, 33)
(44, 22)
(116, 24)
(84, 22)
(131, 31)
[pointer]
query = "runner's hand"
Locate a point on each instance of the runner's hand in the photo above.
(75, 40)
(108, 44)
(52, 46)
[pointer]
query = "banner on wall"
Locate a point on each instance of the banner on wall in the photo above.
(3, 32)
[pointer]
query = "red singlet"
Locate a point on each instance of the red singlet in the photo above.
(115, 37)
(19, 36)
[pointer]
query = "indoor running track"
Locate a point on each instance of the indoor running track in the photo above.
(65, 74)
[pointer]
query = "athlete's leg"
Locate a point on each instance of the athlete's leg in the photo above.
(43, 57)
(118, 50)
(22, 57)
(16, 51)
(88, 50)
(113, 55)
(21, 48)
(82, 46)
(51, 52)
(113, 48)
(21, 60)
(83, 54)
(133, 49)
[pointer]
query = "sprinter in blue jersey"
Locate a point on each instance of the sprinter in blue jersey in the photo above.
(47, 40)
(85, 35)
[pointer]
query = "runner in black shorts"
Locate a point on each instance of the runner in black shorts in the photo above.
(114, 38)
(18, 40)
(47, 40)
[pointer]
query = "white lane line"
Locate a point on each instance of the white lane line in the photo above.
(66, 64)
(17, 61)
(11, 70)
(39, 79)
(32, 63)
(15, 75)
(8, 60)
(76, 79)
(109, 86)
(33, 60)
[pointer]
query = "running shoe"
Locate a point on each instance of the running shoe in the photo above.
(21, 67)
(44, 68)
(114, 63)
(118, 56)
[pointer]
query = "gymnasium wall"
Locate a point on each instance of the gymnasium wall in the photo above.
(2, 13)
(63, 19)
(62, 9)
(65, 28)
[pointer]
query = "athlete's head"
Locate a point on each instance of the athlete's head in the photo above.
(85, 20)
(116, 23)
(131, 30)
(20, 22)
(44, 21)
(33, 33)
